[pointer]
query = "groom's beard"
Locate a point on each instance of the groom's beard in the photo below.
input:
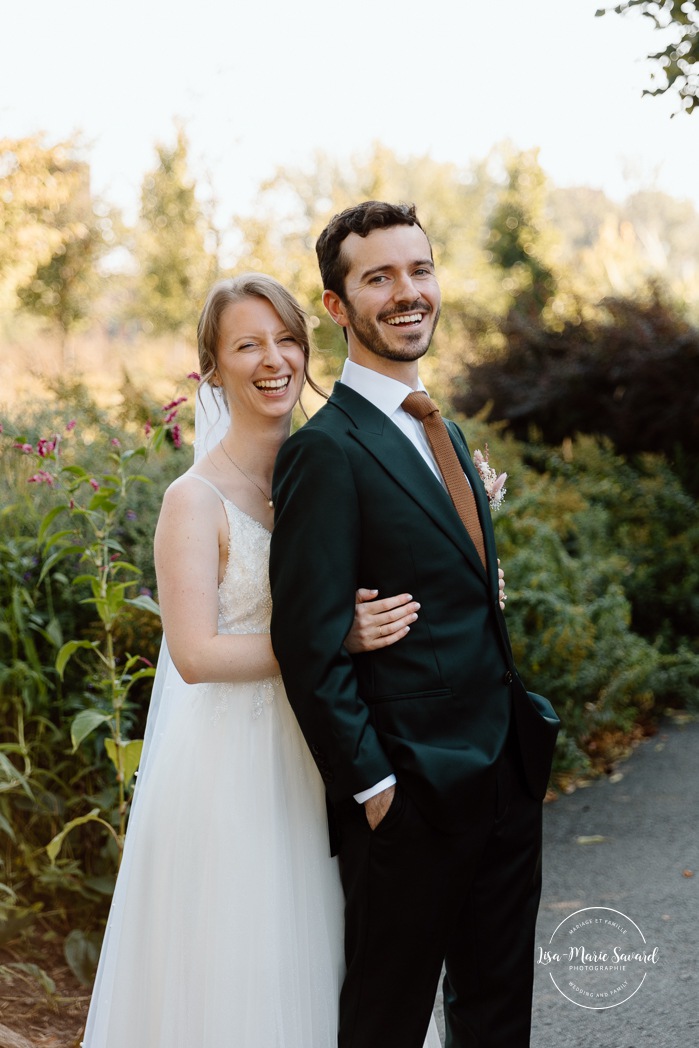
(413, 345)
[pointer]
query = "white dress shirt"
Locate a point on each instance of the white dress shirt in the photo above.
(387, 394)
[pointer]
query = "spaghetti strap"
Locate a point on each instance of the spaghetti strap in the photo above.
(210, 485)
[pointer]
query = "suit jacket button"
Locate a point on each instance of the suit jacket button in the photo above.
(509, 677)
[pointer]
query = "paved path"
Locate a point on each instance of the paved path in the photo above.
(648, 817)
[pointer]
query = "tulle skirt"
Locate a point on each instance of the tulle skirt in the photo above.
(226, 924)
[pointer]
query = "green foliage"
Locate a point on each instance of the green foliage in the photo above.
(517, 240)
(175, 246)
(63, 288)
(78, 636)
(629, 374)
(37, 182)
(572, 538)
(679, 60)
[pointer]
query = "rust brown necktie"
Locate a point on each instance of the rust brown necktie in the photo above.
(420, 406)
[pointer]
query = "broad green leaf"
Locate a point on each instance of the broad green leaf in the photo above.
(130, 756)
(122, 565)
(85, 723)
(49, 519)
(57, 536)
(145, 603)
(126, 455)
(45, 981)
(67, 551)
(67, 652)
(54, 846)
(82, 950)
(76, 471)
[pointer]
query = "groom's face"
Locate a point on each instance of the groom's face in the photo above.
(391, 301)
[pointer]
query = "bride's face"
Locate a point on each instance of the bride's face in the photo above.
(259, 362)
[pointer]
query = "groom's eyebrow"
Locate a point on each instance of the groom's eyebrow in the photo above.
(391, 265)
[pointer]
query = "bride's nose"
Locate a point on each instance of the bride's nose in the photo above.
(271, 357)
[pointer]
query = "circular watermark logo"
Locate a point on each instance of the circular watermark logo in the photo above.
(598, 958)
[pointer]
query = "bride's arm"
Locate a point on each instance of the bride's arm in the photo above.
(191, 530)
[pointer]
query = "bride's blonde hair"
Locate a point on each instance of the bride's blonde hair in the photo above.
(250, 285)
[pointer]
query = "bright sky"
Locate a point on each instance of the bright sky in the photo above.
(263, 83)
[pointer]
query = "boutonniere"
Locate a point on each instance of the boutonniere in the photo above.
(493, 482)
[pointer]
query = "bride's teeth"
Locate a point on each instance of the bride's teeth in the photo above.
(272, 383)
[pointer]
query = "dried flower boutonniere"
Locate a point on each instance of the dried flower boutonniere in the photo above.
(493, 483)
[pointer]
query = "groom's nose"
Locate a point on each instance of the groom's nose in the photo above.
(404, 289)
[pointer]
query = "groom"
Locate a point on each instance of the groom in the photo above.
(434, 757)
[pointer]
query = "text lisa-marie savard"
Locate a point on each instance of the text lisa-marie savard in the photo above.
(615, 957)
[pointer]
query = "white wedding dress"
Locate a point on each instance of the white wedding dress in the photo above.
(226, 925)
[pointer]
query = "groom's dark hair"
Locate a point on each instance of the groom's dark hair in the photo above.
(361, 219)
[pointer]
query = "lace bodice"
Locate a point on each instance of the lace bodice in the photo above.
(244, 598)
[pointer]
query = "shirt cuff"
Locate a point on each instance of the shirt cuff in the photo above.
(390, 780)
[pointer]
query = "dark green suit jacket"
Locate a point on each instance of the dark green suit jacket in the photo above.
(357, 506)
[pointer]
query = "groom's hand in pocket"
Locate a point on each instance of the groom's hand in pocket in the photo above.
(376, 807)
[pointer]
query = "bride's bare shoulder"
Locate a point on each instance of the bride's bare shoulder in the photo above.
(192, 493)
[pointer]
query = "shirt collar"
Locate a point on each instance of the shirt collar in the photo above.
(386, 394)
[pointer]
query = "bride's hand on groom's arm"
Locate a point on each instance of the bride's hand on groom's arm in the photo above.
(379, 623)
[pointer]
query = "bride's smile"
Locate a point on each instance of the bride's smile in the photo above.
(259, 362)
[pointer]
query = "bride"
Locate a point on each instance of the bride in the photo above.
(226, 925)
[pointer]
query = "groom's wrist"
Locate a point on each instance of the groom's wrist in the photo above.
(365, 795)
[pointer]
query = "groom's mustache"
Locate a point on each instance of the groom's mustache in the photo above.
(416, 307)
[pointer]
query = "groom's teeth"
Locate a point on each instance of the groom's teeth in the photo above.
(411, 318)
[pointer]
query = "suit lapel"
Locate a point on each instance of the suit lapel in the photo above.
(404, 464)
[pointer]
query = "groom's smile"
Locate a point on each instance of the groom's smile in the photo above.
(391, 300)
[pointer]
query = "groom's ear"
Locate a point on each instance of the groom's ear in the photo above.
(335, 307)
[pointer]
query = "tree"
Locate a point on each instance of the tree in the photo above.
(518, 241)
(630, 373)
(63, 288)
(176, 245)
(679, 60)
(37, 181)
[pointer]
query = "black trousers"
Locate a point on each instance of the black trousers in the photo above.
(418, 898)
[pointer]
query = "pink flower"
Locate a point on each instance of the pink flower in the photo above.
(174, 403)
(71, 504)
(71, 425)
(42, 477)
(115, 442)
(2, 428)
(26, 448)
(147, 429)
(177, 436)
(195, 375)
(94, 485)
(47, 447)
(170, 416)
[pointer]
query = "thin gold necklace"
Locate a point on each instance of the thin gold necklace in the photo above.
(268, 498)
